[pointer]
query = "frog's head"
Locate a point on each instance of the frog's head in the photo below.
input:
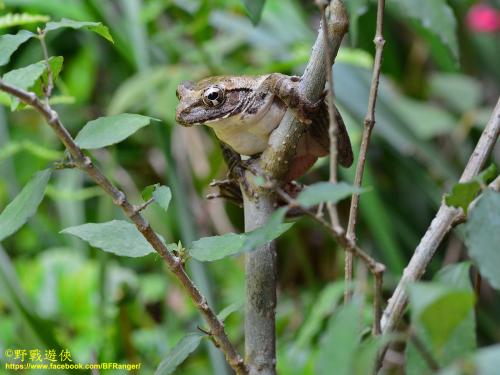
(210, 99)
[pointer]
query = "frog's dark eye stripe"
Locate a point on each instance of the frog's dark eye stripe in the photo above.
(214, 96)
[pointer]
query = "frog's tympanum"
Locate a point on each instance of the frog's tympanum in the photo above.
(244, 110)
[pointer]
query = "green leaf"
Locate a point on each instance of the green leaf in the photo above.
(355, 8)
(147, 192)
(228, 310)
(10, 43)
(462, 194)
(344, 327)
(326, 192)
(179, 353)
(254, 9)
(207, 249)
(117, 236)
(96, 27)
(434, 16)
(109, 130)
(326, 302)
(273, 228)
(32, 77)
(162, 195)
(487, 175)
(24, 205)
(439, 310)
(19, 19)
(482, 236)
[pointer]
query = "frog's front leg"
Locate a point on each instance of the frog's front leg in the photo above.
(286, 88)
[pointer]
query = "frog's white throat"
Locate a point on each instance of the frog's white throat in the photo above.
(248, 134)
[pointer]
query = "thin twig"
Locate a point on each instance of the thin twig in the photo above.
(369, 123)
(374, 266)
(144, 205)
(174, 264)
(377, 301)
(333, 126)
(445, 219)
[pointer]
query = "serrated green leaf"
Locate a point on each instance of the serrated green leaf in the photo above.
(482, 236)
(273, 228)
(24, 205)
(179, 353)
(96, 27)
(462, 194)
(10, 43)
(162, 195)
(109, 130)
(32, 77)
(254, 9)
(208, 249)
(19, 19)
(117, 236)
(326, 192)
(434, 16)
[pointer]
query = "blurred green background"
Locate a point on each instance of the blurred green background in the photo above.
(438, 87)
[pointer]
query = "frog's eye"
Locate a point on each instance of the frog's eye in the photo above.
(213, 96)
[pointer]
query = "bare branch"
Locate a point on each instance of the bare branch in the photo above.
(368, 127)
(442, 223)
(333, 126)
(174, 264)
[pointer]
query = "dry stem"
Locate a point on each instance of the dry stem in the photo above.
(368, 127)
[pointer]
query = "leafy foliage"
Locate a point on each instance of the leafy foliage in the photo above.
(117, 236)
(24, 205)
(482, 236)
(109, 130)
(10, 43)
(96, 27)
(32, 77)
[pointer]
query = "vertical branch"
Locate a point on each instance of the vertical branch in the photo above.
(274, 162)
(369, 123)
(261, 282)
(333, 128)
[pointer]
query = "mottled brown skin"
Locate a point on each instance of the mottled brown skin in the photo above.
(244, 110)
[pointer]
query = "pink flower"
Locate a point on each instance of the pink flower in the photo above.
(482, 18)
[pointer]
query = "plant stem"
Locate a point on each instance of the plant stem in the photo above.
(445, 219)
(84, 163)
(261, 264)
(369, 123)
